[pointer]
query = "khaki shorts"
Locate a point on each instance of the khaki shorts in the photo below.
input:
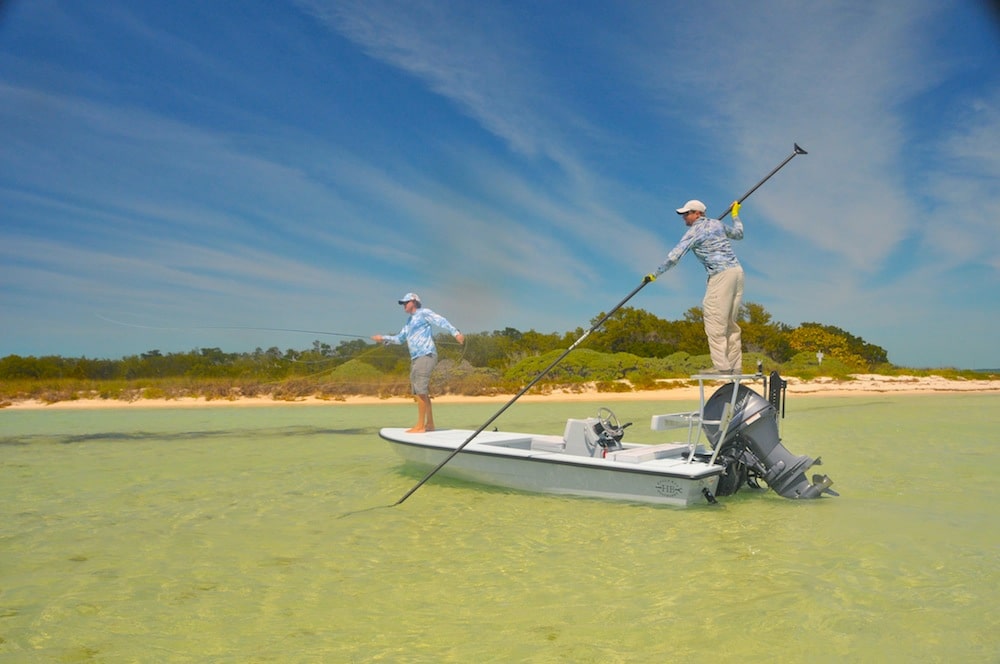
(420, 373)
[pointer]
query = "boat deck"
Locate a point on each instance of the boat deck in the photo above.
(672, 458)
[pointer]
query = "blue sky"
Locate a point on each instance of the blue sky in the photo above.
(181, 166)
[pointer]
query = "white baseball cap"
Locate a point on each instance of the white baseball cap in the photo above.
(691, 206)
(410, 297)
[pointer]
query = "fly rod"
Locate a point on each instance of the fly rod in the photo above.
(230, 327)
(647, 279)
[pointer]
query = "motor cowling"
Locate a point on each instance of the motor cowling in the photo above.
(751, 447)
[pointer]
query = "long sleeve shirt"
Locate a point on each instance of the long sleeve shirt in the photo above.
(709, 240)
(418, 332)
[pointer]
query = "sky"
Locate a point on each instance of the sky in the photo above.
(174, 172)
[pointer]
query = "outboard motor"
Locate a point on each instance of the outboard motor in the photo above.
(752, 446)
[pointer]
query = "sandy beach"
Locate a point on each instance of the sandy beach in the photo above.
(861, 385)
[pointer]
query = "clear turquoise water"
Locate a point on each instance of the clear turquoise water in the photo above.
(263, 535)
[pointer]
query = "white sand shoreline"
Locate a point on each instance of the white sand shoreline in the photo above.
(862, 385)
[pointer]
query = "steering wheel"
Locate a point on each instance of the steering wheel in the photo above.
(609, 423)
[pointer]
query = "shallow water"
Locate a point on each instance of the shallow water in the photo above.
(263, 535)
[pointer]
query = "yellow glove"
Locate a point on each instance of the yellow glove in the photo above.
(649, 278)
(735, 209)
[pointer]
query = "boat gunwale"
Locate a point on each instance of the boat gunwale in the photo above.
(562, 459)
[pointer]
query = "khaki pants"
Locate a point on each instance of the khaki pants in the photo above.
(721, 306)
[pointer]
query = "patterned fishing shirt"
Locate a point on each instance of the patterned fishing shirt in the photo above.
(418, 332)
(709, 240)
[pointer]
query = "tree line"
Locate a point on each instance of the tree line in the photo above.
(629, 331)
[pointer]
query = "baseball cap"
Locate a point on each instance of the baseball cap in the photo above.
(692, 205)
(408, 297)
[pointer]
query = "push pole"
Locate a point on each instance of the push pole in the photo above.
(797, 151)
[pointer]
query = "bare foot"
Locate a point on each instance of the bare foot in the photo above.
(416, 430)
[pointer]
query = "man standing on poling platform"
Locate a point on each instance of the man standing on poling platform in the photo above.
(709, 239)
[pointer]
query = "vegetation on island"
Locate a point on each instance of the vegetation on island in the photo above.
(632, 350)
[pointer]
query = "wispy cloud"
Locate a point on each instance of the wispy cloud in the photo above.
(964, 186)
(477, 56)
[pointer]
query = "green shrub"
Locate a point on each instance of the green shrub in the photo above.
(581, 366)
(613, 386)
(804, 365)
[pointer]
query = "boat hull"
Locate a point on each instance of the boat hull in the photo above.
(526, 462)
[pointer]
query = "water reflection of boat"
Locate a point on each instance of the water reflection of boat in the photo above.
(732, 440)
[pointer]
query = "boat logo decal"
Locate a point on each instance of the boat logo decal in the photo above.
(667, 487)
